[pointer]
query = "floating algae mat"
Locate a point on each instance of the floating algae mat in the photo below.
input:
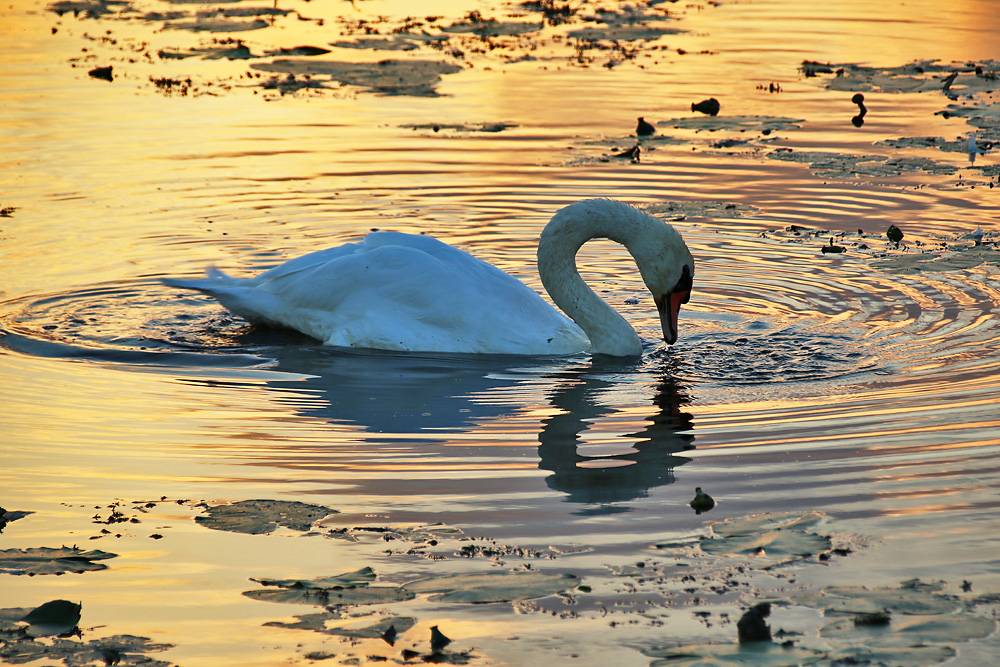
(49, 560)
(254, 517)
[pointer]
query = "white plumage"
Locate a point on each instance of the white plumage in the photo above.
(395, 291)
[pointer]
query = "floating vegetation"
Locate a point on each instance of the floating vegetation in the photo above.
(704, 208)
(389, 77)
(254, 517)
(485, 587)
(773, 536)
(762, 124)
(462, 127)
(8, 516)
(27, 635)
(113, 650)
(843, 165)
(914, 77)
(910, 597)
(761, 654)
(48, 560)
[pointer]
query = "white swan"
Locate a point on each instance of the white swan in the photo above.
(396, 291)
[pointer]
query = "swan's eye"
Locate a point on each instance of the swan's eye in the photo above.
(684, 284)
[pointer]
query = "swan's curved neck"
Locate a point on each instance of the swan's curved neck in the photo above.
(562, 238)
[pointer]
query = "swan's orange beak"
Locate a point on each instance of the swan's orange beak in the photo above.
(669, 306)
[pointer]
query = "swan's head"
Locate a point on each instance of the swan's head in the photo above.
(667, 268)
(664, 261)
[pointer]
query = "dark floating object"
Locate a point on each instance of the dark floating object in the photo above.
(876, 618)
(859, 120)
(752, 627)
(438, 639)
(102, 73)
(54, 618)
(630, 154)
(709, 107)
(644, 129)
(832, 247)
(894, 234)
(702, 501)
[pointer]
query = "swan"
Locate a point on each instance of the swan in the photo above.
(406, 292)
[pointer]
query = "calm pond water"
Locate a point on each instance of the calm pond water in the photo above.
(861, 385)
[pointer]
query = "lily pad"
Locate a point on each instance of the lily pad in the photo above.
(397, 77)
(350, 588)
(758, 654)
(734, 123)
(910, 597)
(56, 617)
(7, 516)
(368, 630)
(333, 596)
(914, 630)
(364, 629)
(774, 535)
(255, 517)
(47, 560)
(905, 656)
(360, 577)
(493, 586)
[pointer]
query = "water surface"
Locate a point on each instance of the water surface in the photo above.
(862, 385)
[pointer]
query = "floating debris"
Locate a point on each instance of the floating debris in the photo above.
(752, 627)
(894, 234)
(57, 617)
(702, 502)
(709, 107)
(438, 639)
(489, 127)
(103, 73)
(834, 248)
(859, 120)
(644, 129)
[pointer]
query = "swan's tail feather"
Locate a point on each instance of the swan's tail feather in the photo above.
(214, 280)
(235, 294)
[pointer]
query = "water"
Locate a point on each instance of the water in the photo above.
(861, 385)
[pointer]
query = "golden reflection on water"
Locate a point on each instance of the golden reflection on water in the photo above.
(802, 380)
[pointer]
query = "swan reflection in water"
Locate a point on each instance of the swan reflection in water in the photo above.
(580, 396)
(431, 394)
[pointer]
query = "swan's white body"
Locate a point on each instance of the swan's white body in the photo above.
(396, 291)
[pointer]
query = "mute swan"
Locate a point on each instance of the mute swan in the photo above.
(395, 291)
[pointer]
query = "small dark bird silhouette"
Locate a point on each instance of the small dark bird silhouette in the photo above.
(438, 640)
(894, 234)
(832, 247)
(644, 129)
(859, 120)
(709, 107)
(752, 627)
(702, 501)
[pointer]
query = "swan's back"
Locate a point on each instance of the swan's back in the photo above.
(397, 291)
